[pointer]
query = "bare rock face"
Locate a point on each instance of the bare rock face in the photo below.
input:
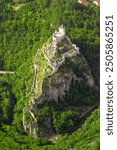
(89, 79)
(58, 87)
(72, 71)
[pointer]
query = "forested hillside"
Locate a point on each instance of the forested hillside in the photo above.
(86, 138)
(25, 25)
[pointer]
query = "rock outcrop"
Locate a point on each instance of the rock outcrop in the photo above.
(69, 66)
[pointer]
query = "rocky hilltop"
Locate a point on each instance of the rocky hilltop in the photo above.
(49, 74)
(67, 69)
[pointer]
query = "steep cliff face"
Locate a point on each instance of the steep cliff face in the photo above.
(56, 86)
(70, 82)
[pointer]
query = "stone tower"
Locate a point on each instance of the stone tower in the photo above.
(62, 30)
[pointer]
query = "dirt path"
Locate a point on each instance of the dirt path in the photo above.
(6, 72)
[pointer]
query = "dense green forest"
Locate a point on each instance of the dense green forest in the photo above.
(86, 138)
(25, 25)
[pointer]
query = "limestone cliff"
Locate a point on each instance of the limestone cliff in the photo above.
(69, 69)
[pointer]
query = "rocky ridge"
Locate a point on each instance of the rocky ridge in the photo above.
(57, 82)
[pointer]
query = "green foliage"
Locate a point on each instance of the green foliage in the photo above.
(43, 116)
(7, 102)
(86, 138)
(22, 32)
(82, 94)
(10, 140)
(65, 121)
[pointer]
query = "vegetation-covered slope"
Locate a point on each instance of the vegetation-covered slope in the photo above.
(86, 138)
(22, 32)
